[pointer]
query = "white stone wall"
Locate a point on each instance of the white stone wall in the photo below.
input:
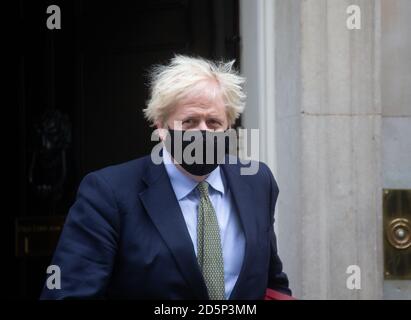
(289, 140)
(396, 108)
(336, 127)
(340, 115)
(327, 142)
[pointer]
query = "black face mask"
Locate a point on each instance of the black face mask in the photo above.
(198, 151)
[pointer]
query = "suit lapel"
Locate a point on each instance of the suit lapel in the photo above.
(162, 206)
(242, 195)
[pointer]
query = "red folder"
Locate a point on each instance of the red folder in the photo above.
(271, 294)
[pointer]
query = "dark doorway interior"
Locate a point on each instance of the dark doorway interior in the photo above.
(82, 88)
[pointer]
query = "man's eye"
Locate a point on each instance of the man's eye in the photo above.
(214, 122)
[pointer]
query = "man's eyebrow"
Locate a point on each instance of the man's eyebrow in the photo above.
(194, 114)
(215, 116)
(215, 119)
(190, 115)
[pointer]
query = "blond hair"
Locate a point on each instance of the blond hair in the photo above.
(169, 83)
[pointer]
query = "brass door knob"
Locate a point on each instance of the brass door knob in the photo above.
(399, 233)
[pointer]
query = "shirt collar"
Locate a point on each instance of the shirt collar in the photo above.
(184, 185)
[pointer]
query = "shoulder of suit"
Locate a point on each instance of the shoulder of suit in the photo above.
(124, 174)
(242, 167)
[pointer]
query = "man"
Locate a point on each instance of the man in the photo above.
(179, 229)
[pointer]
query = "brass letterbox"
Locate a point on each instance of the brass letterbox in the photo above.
(397, 234)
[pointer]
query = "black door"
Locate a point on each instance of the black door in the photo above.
(81, 93)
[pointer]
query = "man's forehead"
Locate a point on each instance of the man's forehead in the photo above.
(196, 107)
(206, 90)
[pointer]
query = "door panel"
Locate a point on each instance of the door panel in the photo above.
(92, 74)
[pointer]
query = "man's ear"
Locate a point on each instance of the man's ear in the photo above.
(161, 130)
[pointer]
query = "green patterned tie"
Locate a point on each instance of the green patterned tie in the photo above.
(209, 252)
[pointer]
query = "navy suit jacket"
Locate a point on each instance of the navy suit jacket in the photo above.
(125, 237)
